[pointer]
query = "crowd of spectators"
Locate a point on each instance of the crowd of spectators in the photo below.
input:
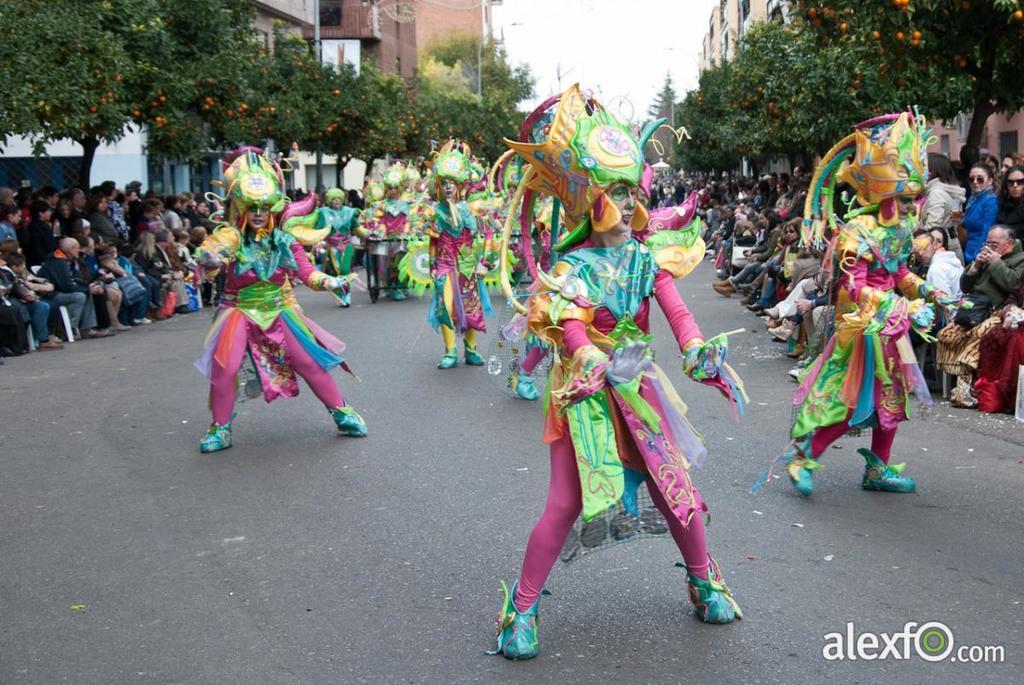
(967, 243)
(112, 258)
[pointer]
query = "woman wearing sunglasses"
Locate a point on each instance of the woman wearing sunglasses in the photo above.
(1011, 201)
(981, 212)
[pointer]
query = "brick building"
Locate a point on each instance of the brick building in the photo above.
(435, 20)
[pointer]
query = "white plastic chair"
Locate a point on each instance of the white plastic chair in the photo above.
(65, 318)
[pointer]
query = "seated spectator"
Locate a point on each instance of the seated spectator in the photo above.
(110, 301)
(72, 288)
(10, 218)
(182, 249)
(778, 269)
(1002, 355)
(153, 253)
(149, 220)
(993, 275)
(171, 215)
(997, 268)
(944, 201)
(154, 298)
(39, 239)
(1011, 201)
(13, 341)
(133, 290)
(115, 209)
(69, 219)
(944, 269)
(981, 212)
(101, 228)
(29, 296)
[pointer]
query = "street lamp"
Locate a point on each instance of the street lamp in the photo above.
(319, 60)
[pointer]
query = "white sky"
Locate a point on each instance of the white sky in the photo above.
(613, 47)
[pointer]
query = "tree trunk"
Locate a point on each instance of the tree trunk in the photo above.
(89, 146)
(983, 109)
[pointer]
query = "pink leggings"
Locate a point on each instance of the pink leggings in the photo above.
(222, 382)
(532, 358)
(565, 501)
(881, 439)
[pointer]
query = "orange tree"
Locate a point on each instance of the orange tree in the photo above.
(90, 73)
(948, 56)
(784, 95)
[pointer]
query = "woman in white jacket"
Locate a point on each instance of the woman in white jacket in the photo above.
(944, 201)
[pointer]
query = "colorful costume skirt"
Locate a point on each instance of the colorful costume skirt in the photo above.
(258, 310)
(867, 379)
(459, 302)
(624, 434)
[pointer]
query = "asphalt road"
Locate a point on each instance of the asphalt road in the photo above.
(300, 556)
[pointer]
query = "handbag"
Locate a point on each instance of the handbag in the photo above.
(23, 293)
(170, 302)
(193, 303)
(132, 289)
(980, 310)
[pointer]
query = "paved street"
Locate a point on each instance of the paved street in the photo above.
(300, 556)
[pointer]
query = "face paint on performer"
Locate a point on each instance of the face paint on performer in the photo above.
(625, 198)
(258, 216)
(450, 190)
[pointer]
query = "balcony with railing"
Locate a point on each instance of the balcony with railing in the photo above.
(347, 19)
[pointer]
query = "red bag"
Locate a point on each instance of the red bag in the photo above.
(170, 302)
(990, 400)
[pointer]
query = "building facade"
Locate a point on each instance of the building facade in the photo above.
(729, 22)
(435, 21)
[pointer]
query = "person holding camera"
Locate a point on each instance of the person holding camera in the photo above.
(987, 282)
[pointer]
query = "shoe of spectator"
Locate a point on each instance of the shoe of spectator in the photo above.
(782, 332)
(97, 333)
(182, 309)
(757, 307)
(145, 321)
(50, 345)
(156, 315)
(723, 287)
(797, 352)
(795, 372)
(120, 327)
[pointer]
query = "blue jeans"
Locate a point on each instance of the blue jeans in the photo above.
(132, 312)
(38, 314)
(153, 288)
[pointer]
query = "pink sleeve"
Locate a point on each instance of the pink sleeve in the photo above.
(574, 335)
(680, 320)
(304, 270)
(857, 279)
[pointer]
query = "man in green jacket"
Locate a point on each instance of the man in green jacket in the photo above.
(998, 267)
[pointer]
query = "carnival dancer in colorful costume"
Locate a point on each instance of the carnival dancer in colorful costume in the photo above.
(260, 250)
(613, 419)
(461, 254)
(343, 222)
(866, 374)
(391, 218)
